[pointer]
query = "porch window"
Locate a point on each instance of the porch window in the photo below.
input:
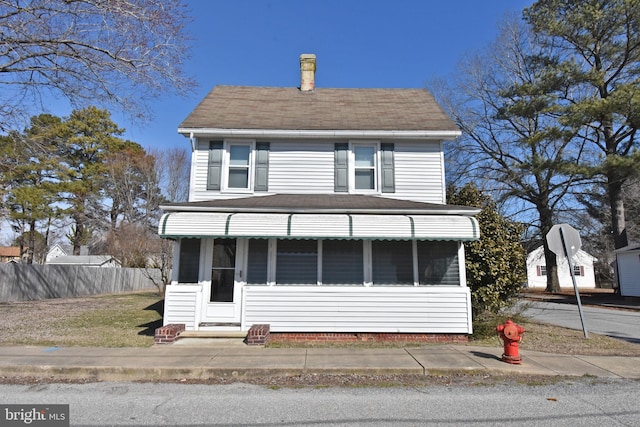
(297, 262)
(438, 263)
(189, 263)
(392, 262)
(258, 261)
(342, 262)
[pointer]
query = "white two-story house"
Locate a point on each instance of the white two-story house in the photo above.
(319, 212)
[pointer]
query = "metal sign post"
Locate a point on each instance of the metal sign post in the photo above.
(567, 245)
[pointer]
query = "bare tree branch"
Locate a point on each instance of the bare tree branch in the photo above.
(115, 52)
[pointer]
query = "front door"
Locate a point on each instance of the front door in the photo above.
(222, 305)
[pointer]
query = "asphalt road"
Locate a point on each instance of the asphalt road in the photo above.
(582, 402)
(622, 324)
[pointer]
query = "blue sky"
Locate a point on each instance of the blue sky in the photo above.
(358, 43)
(371, 43)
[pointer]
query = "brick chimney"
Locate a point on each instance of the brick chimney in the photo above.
(307, 72)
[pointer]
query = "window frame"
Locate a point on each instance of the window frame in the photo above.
(353, 145)
(227, 167)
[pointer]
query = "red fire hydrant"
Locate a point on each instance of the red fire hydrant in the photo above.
(511, 334)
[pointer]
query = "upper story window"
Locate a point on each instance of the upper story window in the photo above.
(364, 168)
(238, 166)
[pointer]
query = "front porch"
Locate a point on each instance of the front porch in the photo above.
(332, 309)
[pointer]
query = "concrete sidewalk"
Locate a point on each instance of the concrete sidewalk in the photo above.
(202, 358)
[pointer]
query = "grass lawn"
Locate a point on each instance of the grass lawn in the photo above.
(130, 320)
(118, 320)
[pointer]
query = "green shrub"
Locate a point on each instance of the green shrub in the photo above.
(495, 264)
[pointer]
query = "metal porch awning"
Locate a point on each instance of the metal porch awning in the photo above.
(319, 226)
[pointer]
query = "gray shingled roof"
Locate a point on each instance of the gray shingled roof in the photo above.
(275, 108)
(345, 203)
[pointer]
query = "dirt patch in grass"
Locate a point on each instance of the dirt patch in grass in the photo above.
(119, 320)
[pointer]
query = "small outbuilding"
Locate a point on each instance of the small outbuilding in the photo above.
(583, 270)
(86, 261)
(11, 253)
(628, 266)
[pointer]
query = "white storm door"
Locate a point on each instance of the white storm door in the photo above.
(223, 302)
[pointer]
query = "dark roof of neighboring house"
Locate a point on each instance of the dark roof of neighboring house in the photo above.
(277, 108)
(346, 203)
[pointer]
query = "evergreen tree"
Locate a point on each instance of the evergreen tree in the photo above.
(32, 177)
(594, 48)
(86, 139)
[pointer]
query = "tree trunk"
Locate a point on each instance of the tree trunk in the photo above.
(32, 241)
(553, 284)
(546, 223)
(77, 236)
(616, 203)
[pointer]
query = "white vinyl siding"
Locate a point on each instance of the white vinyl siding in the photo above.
(182, 305)
(359, 309)
(307, 167)
(419, 172)
(628, 266)
(199, 170)
(301, 168)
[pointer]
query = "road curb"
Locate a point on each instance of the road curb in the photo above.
(105, 374)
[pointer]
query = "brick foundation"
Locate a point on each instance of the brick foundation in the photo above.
(168, 333)
(259, 335)
(329, 337)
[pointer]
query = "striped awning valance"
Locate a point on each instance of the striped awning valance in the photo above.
(319, 226)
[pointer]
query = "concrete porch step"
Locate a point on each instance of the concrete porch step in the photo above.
(213, 334)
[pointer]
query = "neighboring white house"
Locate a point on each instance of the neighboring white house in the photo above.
(86, 261)
(319, 210)
(582, 269)
(628, 269)
(54, 252)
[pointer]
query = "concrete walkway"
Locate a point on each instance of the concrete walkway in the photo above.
(202, 358)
